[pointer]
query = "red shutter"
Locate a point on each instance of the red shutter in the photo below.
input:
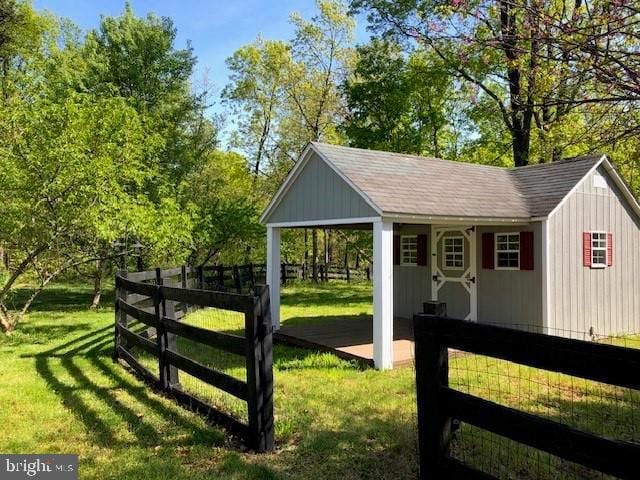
(488, 254)
(422, 250)
(586, 249)
(609, 249)
(396, 249)
(526, 250)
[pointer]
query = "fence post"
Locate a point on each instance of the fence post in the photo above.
(237, 279)
(256, 380)
(200, 274)
(283, 273)
(432, 374)
(121, 316)
(184, 284)
(348, 274)
(252, 276)
(220, 273)
(159, 330)
(169, 340)
(368, 273)
(266, 366)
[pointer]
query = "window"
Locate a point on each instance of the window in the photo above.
(409, 250)
(508, 251)
(598, 249)
(453, 253)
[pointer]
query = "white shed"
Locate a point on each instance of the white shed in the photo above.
(554, 246)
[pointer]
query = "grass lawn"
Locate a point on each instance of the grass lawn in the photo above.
(61, 393)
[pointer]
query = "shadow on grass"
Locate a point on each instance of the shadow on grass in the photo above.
(82, 374)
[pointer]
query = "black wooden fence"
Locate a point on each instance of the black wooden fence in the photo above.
(440, 407)
(160, 307)
(242, 278)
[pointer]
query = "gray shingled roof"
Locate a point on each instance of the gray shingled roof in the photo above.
(412, 185)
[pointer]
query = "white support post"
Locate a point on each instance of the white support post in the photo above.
(273, 273)
(383, 294)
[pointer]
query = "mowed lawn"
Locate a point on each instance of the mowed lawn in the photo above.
(61, 393)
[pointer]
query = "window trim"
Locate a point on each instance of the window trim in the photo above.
(496, 251)
(444, 253)
(402, 261)
(604, 249)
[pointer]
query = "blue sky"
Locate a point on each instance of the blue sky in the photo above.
(216, 28)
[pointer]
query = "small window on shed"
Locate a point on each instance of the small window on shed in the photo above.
(453, 253)
(508, 251)
(598, 249)
(409, 250)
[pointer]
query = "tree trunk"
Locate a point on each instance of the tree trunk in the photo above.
(521, 142)
(20, 269)
(97, 284)
(6, 322)
(326, 246)
(305, 270)
(314, 255)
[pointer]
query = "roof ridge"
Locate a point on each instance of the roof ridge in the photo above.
(578, 158)
(411, 155)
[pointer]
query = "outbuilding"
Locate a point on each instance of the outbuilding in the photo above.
(554, 247)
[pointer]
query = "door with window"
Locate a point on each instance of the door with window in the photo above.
(454, 270)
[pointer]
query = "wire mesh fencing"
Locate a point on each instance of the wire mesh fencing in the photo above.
(523, 405)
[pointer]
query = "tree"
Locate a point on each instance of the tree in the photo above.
(397, 102)
(258, 74)
(136, 58)
(69, 172)
(288, 94)
(219, 195)
(537, 61)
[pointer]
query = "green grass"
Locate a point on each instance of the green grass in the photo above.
(61, 393)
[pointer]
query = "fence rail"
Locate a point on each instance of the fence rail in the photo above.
(162, 318)
(438, 404)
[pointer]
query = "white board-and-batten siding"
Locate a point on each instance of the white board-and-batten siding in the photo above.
(606, 300)
(319, 193)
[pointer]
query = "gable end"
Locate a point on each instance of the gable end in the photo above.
(315, 191)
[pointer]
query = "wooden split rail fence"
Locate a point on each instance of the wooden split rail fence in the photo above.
(438, 404)
(155, 305)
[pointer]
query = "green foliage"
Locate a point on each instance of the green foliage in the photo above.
(398, 102)
(287, 93)
(97, 133)
(136, 58)
(225, 216)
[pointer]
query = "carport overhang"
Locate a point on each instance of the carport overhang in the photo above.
(382, 275)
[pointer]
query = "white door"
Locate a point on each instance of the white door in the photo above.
(453, 270)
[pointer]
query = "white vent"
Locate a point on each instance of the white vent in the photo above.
(599, 181)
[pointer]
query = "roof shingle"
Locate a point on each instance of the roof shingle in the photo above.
(414, 185)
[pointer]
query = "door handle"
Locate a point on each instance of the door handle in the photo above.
(472, 279)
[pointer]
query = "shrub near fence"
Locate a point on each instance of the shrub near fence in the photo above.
(577, 403)
(149, 335)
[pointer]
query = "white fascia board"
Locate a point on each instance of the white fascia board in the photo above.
(331, 221)
(436, 219)
(622, 185)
